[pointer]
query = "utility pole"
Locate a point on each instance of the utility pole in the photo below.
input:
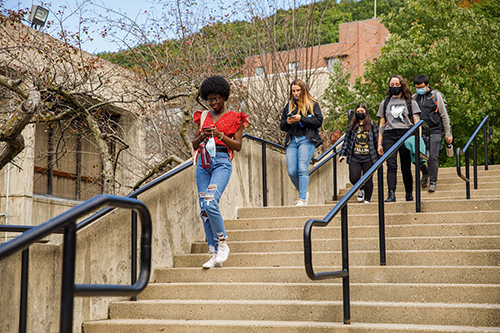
(374, 9)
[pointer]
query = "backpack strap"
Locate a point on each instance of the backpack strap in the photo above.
(386, 102)
(203, 117)
(434, 98)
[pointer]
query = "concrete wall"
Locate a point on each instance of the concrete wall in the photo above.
(103, 249)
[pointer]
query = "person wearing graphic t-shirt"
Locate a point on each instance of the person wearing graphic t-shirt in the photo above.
(360, 149)
(394, 123)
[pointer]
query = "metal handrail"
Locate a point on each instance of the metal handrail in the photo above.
(135, 194)
(342, 206)
(67, 221)
(322, 157)
(264, 144)
(465, 152)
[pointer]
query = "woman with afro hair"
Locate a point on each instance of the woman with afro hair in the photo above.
(220, 131)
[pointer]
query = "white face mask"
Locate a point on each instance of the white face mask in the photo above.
(211, 147)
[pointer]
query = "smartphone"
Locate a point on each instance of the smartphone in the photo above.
(289, 115)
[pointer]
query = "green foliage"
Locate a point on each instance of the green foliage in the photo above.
(339, 98)
(456, 47)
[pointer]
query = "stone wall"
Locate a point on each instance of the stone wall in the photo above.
(103, 249)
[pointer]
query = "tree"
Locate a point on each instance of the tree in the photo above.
(54, 83)
(456, 47)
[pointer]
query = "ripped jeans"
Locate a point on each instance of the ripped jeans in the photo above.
(211, 184)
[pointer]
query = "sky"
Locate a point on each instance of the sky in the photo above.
(68, 14)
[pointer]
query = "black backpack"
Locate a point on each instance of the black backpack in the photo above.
(408, 105)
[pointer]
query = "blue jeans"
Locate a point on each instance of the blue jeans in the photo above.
(299, 153)
(211, 184)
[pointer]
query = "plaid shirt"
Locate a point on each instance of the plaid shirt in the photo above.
(350, 137)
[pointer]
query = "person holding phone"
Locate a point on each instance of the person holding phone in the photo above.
(219, 134)
(301, 118)
(360, 148)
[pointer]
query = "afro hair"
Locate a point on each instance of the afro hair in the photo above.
(215, 85)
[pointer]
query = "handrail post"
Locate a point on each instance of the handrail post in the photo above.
(467, 175)
(23, 306)
(133, 249)
(68, 279)
(474, 162)
(264, 175)
(485, 146)
(334, 175)
(418, 208)
(345, 266)
(381, 215)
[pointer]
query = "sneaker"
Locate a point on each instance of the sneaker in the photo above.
(432, 187)
(222, 252)
(301, 203)
(361, 195)
(211, 262)
(424, 181)
(366, 201)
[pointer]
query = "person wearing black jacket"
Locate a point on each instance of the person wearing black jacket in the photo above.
(360, 148)
(301, 118)
(434, 111)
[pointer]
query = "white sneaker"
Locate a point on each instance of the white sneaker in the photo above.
(222, 252)
(366, 201)
(211, 262)
(361, 195)
(300, 203)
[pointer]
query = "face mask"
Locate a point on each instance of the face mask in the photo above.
(360, 116)
(395, 90)
(295, 99)
(211, 147)
(421, 91)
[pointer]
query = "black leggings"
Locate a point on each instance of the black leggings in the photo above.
(355, 169)
(390, 138)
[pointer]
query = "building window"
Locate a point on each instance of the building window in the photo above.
(293, 67)
(67, 163)
(260, 71)
(332, 63)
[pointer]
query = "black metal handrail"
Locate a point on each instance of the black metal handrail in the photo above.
(67, 222)
(135, 194)
(321, 158)
(342, 206)
(465, 152)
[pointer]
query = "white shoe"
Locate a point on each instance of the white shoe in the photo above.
(301, 203)
(211, 262)
(361, 195)
(222, 252)
(366, 201)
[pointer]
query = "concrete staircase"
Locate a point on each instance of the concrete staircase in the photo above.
(442, 273)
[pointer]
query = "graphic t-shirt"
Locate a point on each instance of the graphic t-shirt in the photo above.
(361, 150)
(397, 116)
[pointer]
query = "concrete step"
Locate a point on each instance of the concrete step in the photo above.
(333, 231)
(362, 258)
(251, 326)
(394, 207)
(358, 274)
(322, 311)
(365, 292)
(425, 195)
(357, 244)
(368, 219)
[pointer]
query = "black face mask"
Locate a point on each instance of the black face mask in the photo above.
(360, 116)
(395, 90)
